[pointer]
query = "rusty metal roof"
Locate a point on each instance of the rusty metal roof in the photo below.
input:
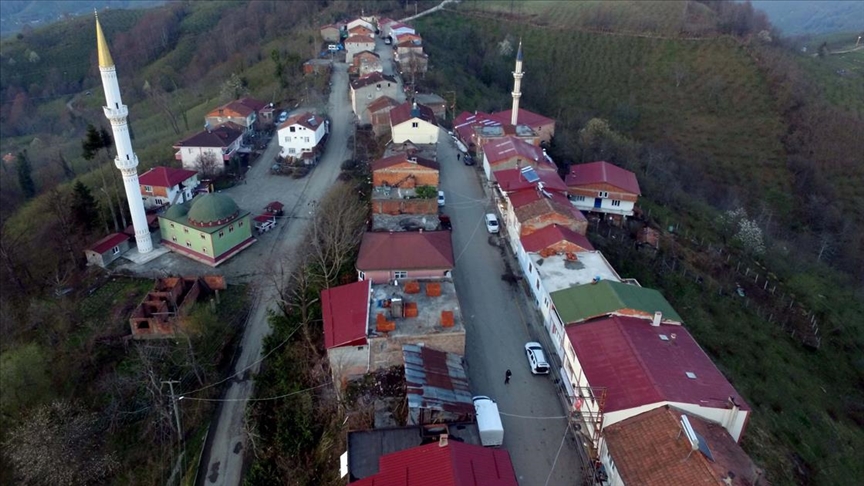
(436, 380)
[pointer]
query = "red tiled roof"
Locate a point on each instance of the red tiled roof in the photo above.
(466, 121)
(252, 103)
(152, 223)
(359, 39)
(510, 180)
(602, 172)
(530, 203)
(455, 464)
(406, 111)
(234, 108)
(165, 176)
(381, 103)
(549, 235)
(108, 242)
(371, 78)
(222, 136)
(329, 26)
(509, 147)
(525, 118)
(402, 158)
(626, 356)
(406, 251)
(307, 119)
(649, 449)
(345, 312)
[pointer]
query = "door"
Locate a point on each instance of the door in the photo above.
(597, 202)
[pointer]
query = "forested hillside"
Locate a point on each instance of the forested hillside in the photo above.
(715, 113)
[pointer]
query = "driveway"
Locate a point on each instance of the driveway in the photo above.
(499, 321)
(222, 459)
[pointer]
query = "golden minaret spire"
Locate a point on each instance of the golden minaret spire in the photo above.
(104, 54)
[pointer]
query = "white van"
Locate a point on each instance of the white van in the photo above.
(488, 421)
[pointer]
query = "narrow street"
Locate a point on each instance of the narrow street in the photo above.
(223, 456)
(499, 321)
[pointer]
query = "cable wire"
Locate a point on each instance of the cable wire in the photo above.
(566, 429)
(534, 418)
(254, 399)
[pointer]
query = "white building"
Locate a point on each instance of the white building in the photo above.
(357, 44)
(167, 185)
(302, 134)
(413, 122)
(602, 187)
(219, 143)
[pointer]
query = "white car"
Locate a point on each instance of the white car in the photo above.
(536, 359)
(440, 199)
(491, 223)
(282, 117)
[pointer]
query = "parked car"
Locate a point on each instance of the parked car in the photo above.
(492, 223)
(440, 199)
(446, 224)
(536, 358)
(282, 117)
(467, 159)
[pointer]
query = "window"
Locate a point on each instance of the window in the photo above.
(414, 124)
(221, 233)
(172, 225)
(115, 250)
(188, 244)
(204, 249)
(546, 302)
(148, 188)
(287, 139)
(202, 236)
(616, 203)
(306, 139)
(188, 150)
(530, 268)
(292, 129)
(160, 201)
(602, 194)
(231, 229)
(185, 230)
(240, 224)
(580, 198)
(174, 238)
(291, 150)
(362, 275)
(378, 86)
(400, 274)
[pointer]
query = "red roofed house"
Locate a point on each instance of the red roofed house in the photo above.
(604, 188)
(360, 30)
(331, 33)
(357, 44)
(361, 22)
(544, 127)
(370, 87)
(366, 62)
(619, 367)
(378, 114)
(216, 144)
(301, 134)
(513, 153)
(167, 185)
(394, 181)
(245, 112)
(385, 257)
(651, 448)
(534, 209)
(345, 312)
(413, 122)
(444, 463)
(106, 250)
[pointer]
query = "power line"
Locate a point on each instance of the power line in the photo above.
(533, 417)
(566, 429)
(255, 399)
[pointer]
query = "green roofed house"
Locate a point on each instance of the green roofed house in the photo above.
(606, 298)
(209, 229)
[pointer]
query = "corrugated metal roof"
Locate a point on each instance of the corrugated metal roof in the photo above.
(436, 380)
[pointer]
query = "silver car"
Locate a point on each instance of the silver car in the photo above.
(536, 358)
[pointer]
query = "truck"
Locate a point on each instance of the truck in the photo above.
(488, 421)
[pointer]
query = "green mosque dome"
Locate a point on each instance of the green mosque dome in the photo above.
(212, 209)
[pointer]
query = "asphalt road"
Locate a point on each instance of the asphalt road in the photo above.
(222, 460)
(499, 321)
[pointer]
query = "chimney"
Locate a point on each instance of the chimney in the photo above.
(658, 316)
(443, 440)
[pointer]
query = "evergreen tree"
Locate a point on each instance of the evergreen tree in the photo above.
(25, 176)
(105, 137)
(85, 208)
(92, 143)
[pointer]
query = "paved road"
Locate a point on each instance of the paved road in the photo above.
(222, 462)
(499, 321)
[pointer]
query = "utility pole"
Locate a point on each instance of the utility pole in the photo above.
(176, 411)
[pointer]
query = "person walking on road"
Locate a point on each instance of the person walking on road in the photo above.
(507, 376)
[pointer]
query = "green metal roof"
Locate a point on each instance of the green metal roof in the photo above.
(212, 209)
(584, 302)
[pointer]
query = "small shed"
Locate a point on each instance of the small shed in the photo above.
(106, 250)
(436, 386)
(275, 208)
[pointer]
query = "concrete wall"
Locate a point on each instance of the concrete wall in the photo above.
(105, 259)
(386, 351)
(406, 176)
(348, 362)
(373, 92)
(381, 276)
(542, 221)
(406, 206)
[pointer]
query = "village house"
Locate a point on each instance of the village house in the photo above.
(386, 256)
(163, 310)
(302, 134)
(357, 44)
(167, 185)
(209, 229)
(543, 126)
(411, 62)
(477, 129)
(664, 366)
(378, 114)
(602, 187)
(444, 462)
(655, 447)
(360, 30)
(105, 251)
(437, 104)
(244, 112)
(513, 153)
(398, 313)
(414, 122)
(208, 151)
(396, 29)
(367, 62)
(365, 23)
(331, 33)
(411, 37)
(412, 43)
(371, 87)
(533, 209)
(395, 180)
(608, 297)
(318, 67)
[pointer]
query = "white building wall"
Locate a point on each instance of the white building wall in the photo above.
(348, 362)
(586, 203)
(301, 140)
(189, 156)
(424, 132)
(352, 48)
(612, 475)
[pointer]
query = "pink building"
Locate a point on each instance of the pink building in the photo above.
(405, 255)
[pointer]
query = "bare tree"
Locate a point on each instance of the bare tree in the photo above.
(59, 204)
(163, 101)
(295, 282)
(10, 246)
(336, 231)
(207, 165)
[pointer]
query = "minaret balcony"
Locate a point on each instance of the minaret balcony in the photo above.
(126, 164)
(116, 113)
